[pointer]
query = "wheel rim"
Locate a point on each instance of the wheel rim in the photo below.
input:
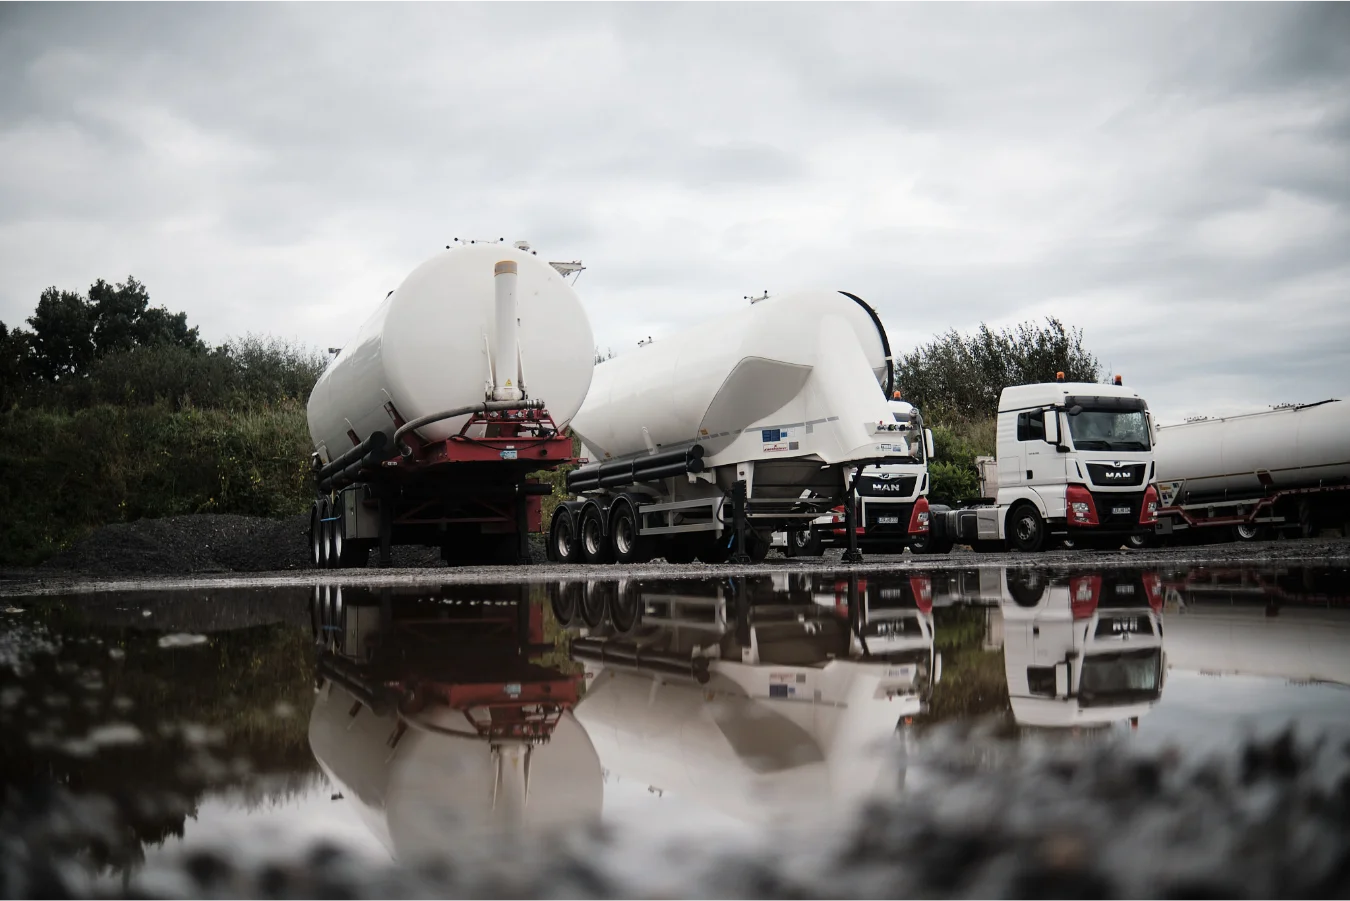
(325, 547)
(623, 534)
(591, 536)
(1248, 531)
(801, 539)
(315, 536)
(337, 539)
(1026, 528)
(562, 538)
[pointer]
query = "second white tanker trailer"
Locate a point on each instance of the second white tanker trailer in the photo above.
(427, 425)
(1253, 475)
(703, 444)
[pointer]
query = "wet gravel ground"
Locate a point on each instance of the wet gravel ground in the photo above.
(224, 551)
(1269, 819)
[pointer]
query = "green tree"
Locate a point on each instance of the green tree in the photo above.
(15, 353)
(960, 377)
(63, 335)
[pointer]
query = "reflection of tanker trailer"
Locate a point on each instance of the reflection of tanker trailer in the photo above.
(429, 713)
(1292, 623)
(750, 707)
(1285, 470)
(1088, 651)
(703, 444)
(457, 387)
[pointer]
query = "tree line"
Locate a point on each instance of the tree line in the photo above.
(110, 346)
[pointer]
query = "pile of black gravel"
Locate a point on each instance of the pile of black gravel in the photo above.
(204, 543)
(210, 543)
(1268, 819)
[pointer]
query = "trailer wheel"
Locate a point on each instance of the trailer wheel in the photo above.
(805, 543)
(1026, 529)
(625, 544)
(565, 600)
(338, 547)
(625, 608)
(1249, 532)
(315, 535)
(325, 536)
(928, 545)
(1141, 541)
(594, 547)
(563, 546)
(594, 603)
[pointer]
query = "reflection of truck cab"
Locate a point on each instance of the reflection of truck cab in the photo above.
(1088, 652)
(1075, 462)
(430, 708)
(752, 707)
(892, 505)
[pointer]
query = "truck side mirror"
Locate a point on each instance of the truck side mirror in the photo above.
(1152, 429)
(1052, 427)
(928, 443)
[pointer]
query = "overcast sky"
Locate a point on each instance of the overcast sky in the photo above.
(1172, 179)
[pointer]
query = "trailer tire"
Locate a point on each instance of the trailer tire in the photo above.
(315, 536)
(565, 601)
(1142, 541)
(595, 603)
(625, 544)
(1249, 532)
(625, 608)
(595, 546)
(1026, 528)
(926, 544)
(563, 546)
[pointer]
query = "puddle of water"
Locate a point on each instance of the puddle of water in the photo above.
(261, 719)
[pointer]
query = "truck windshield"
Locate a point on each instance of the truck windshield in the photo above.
(1117, 678)
(1117, 430)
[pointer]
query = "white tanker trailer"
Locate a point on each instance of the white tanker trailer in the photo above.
(755, 703)
(704, 443)
(427, 423)
(1285, 469)
(439, 773)
(430, 714)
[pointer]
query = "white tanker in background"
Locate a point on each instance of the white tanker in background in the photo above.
(757, 697)
(460, 384)
(429, 716)
(704, 443)
(1285, 470)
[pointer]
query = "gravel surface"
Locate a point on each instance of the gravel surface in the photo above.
(1268, 819)
(212, 550)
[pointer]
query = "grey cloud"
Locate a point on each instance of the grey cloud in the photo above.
(265, 166)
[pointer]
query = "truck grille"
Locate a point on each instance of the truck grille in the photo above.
(1129, 474)
(870, 486)
(897, 514)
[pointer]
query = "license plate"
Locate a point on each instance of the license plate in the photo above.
(1124, 589)
(1124, 625)
(1121, 511)
(888, 520)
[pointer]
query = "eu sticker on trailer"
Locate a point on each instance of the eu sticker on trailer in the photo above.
(508, 454)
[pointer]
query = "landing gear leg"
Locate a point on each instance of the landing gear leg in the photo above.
(852, 555)
(386, 530)
(742, 522)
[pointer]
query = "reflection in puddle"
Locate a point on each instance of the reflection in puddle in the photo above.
(523, 707)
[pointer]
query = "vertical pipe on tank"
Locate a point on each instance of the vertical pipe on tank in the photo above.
(505, 363)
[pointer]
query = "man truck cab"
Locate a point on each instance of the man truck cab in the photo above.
(1088, 652)
(1075, 464)
(892, 505)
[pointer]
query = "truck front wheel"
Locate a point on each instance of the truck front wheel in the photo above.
(1026, 529)
(805, 543)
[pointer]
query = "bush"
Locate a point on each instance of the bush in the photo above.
(68, 473)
